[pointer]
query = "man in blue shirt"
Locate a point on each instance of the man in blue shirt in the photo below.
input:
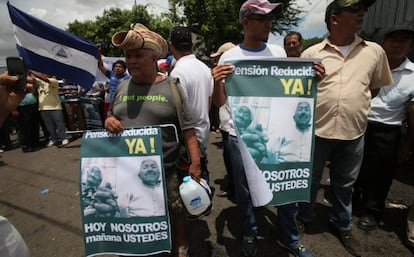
(116, 76)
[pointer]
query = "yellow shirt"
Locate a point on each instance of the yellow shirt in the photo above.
(343, 98)
(48, 92)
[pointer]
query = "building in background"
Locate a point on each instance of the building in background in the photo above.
(385, 13)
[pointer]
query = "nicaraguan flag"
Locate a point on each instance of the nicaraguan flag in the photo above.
(53, 51)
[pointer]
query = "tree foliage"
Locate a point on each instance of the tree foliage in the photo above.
(311, 41)
(217, 21)
(114, 20)
(214, 21)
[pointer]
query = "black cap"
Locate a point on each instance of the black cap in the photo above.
(336, 5)
(405, 25)
(401, 26)
(180, 38)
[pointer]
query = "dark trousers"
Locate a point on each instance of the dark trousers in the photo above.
(378, 167)
(28, 126)
(5, 141)
(241, 189)
(214, 117)
(229, 187)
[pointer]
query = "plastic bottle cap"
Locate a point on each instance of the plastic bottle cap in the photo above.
(186, 179)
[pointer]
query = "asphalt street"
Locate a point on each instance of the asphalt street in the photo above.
(39, 194)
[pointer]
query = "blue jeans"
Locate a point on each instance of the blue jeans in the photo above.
(241, 189)
(55, 124)
(229, 188)
(288, 231)
(345, 158)
(287, 225)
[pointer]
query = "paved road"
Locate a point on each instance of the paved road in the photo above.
(51, 223)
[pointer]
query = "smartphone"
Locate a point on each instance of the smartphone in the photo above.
(16, 67)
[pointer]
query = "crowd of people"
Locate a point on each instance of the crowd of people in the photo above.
(53, 114)
(40, 109)
(364, 98)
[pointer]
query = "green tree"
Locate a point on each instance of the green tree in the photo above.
(214, 21)
(311, 41)
(113, 20)
(217, 21)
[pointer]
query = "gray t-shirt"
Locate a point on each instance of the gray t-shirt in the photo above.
(152, 104)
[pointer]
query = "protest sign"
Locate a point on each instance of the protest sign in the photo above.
(92, 111)
(123, 193)
(272, 103)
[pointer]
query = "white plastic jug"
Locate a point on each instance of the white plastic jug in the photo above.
(194, 196)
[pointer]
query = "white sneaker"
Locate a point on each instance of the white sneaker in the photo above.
(1, 150)
(65, 141)
(51, 143)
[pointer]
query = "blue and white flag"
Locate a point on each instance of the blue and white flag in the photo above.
(50, 50)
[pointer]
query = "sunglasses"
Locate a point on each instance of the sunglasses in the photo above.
(355, 8)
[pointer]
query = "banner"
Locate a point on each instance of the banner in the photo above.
(50, 50)
(93, 111)
(123, 193)
(272, 102)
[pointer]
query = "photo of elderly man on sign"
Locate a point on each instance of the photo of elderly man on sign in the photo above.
(293, 140)
(146, 197)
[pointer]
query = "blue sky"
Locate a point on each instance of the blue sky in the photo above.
(59, 13)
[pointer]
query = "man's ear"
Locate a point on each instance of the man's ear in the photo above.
(244, 22)
(334, 19)
(171, 46)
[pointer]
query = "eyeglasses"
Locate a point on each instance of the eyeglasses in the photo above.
(355, 8)
(258, 17)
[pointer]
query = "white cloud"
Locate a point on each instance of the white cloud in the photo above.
(312, 22)
(38, 12)
(59, 13)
